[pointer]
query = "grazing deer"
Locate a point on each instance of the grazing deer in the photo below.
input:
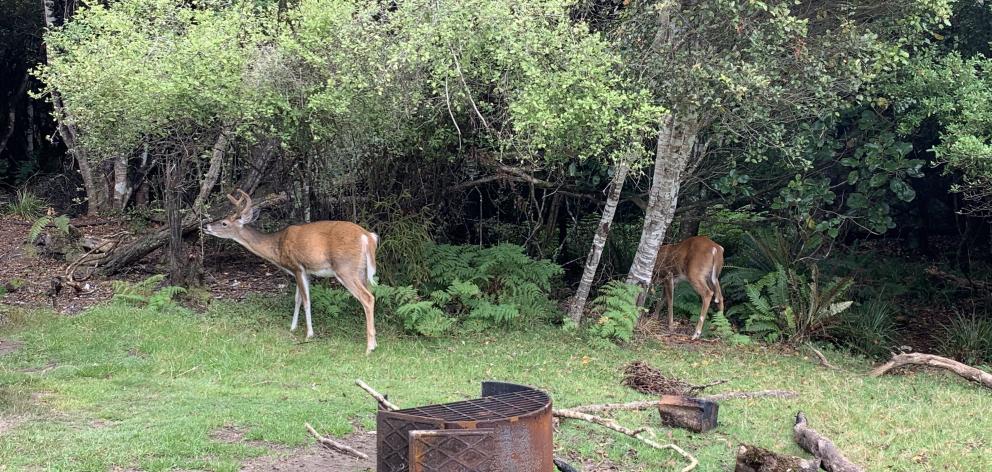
(340, 249)
(697, 259)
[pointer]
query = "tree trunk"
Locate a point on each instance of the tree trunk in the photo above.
(260, 156)
(578, 304)
(692, 218)
(675, 140)
(121, 187)
(178, 273)
(96, 194)
(15, 99)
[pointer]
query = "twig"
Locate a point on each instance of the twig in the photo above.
(468, 91)
(757, 394)
(649, 404)
(821, 447)
(697, 388)
(823, 359)
(378, 396)
(964, 370)
(332, 444)
(645, 435)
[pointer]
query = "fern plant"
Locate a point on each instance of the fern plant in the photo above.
(147, 294)
(785, 305)
(616, 310)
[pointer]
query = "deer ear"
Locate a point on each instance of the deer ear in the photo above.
(248, 216)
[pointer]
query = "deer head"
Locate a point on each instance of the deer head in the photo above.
(231, 226)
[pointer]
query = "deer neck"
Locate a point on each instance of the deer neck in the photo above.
(261, 244)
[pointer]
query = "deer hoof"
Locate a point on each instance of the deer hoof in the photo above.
(370, 347)
(309, 335)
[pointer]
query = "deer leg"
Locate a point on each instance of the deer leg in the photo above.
(356, 286)
(670, 300)
(296, 309)
(705, 296)
(303, 282)
(718, 297)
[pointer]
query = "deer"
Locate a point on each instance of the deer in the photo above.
(339, 249)
(697, 260)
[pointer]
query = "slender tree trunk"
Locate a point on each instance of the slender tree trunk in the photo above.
(178, 273)
(121, 185)
(676, 137)
(96, 193)
(578, 304)
(260, 156)
(690, 220)
(29, 130)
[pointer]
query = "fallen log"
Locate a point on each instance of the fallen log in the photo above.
(916, 358)
(332, 444)
(644, 434)
(693, 414)
(756, 459)
(821, 447)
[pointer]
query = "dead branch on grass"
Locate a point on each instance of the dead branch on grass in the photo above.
(823, 359)
(332, 444)
(822, 447)
(916, 358)
(383, 402)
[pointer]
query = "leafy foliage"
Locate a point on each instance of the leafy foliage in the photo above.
(148, 293)
(785, 305)
(615, 311)
(469, 287)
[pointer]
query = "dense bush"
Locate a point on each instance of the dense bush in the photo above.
(467, 287)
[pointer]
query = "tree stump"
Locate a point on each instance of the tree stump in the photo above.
(694, 414)
(756, 459)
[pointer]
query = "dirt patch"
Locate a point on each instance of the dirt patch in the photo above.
(8, 423)
(228, 434)
(318, 458)
(7, 346)
(229, 272)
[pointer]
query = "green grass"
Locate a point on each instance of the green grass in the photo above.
(131, 388)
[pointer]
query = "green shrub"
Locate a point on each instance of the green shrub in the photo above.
(26, 205)
(148, 293)
(615, 311)
(468, 288)
(869, 329)
(967, 338)
(787, 306)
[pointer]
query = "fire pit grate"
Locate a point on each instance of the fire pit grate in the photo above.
(508, 428)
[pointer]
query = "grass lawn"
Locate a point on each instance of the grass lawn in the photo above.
(134, 389)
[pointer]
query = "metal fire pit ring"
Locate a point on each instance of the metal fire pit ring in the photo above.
(508, 429)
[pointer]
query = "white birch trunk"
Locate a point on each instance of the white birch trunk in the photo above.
(578, 303)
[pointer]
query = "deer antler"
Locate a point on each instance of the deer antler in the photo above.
(246, 199)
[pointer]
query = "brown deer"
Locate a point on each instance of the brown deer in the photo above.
(340, 249)
(698, 260)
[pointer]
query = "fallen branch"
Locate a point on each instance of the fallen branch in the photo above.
(383, 402)
(823, 359)
(755, 459)
(652, 404)
(821, 447)
(916, 358)
(758, 394)
(332, 444)
(645, 435)
(960, 281)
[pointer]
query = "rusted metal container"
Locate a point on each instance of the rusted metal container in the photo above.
(508, 429)
(694, 414)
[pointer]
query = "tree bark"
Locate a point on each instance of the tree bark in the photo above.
(822, 447)
(676, 137)
(578, 303)
(121, 186)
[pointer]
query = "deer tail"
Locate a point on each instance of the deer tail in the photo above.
(370, 248)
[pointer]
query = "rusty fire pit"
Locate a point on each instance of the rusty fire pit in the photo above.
(507, 430)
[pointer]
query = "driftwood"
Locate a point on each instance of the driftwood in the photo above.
(332, 444)
(915, 358)
(383, 402)
(645, 435)
(821, 447)
(823, 359)
(756, 459)
(651, 404)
